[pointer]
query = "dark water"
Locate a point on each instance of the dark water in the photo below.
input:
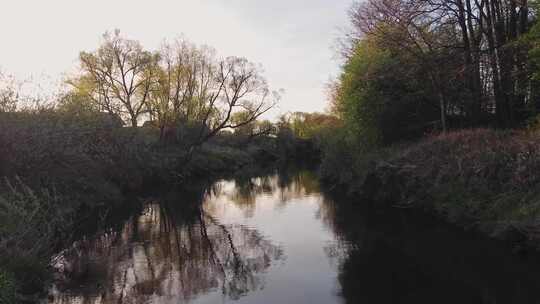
(278, 239)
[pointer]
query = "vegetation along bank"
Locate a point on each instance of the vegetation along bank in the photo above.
(130, 120)
(438, 105)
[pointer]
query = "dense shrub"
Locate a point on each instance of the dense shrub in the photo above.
(384, 96)
(87, 156)
(33, 222)
(53, 166)
(346, 161)
(7, 288)
(483, 178)
(496, 169)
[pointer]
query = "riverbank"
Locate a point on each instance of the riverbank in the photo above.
(481, 179)
(57, 169)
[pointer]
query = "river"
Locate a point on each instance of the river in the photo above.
(280, 239)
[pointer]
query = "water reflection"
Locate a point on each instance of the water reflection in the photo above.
(403, 256)
(283, 187)
(278, 239)
(164, 255)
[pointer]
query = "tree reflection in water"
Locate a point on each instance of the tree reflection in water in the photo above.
(405, 256)
(166, 254)
(282, 187)
(193, 248)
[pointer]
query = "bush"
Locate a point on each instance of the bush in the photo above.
(480, 177)
(213, 160)
(33, 222)
(497, 171)
(53, 167)
(7, 288)
(83, 157)
(347, 162)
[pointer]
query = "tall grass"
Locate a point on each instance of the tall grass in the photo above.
(33, 222)
(481, 178)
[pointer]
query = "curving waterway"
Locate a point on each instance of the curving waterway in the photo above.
(280, 239)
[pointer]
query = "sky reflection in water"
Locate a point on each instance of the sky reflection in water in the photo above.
(255, 240)
(278, 239)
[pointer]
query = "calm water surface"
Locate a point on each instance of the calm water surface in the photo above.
(278, 239)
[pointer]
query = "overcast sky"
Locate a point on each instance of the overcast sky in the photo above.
(292, 39)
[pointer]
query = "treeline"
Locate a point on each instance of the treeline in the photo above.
(412, 67)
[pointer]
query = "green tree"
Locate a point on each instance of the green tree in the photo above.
(383, 96)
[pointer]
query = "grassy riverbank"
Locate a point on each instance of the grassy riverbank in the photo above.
(55, 169)
(483, 179)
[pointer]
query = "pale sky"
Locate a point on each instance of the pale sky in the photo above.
(292, 39)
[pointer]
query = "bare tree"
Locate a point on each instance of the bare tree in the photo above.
(238, 86)
(181, 85)
(118, 76)
(195, 87)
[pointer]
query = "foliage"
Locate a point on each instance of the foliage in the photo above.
(7, 288)
(33, 222)
(310, 126)
(489, 173)
(479, 177)
(179, 85)
(382, 96)
(300, 135)
(23, 210)
(411, 63)
(117, 77)
(531, 41)
(54, 165)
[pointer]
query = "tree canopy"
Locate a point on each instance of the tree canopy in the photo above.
(417, 66)
(181, 84)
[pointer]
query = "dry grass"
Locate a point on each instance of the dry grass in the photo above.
(480, 178)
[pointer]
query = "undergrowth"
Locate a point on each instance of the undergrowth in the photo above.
(481, 178)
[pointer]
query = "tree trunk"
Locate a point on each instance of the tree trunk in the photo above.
(436, 84)
(469, 69)
(476, 78)
(491, 36)
(442, 104)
